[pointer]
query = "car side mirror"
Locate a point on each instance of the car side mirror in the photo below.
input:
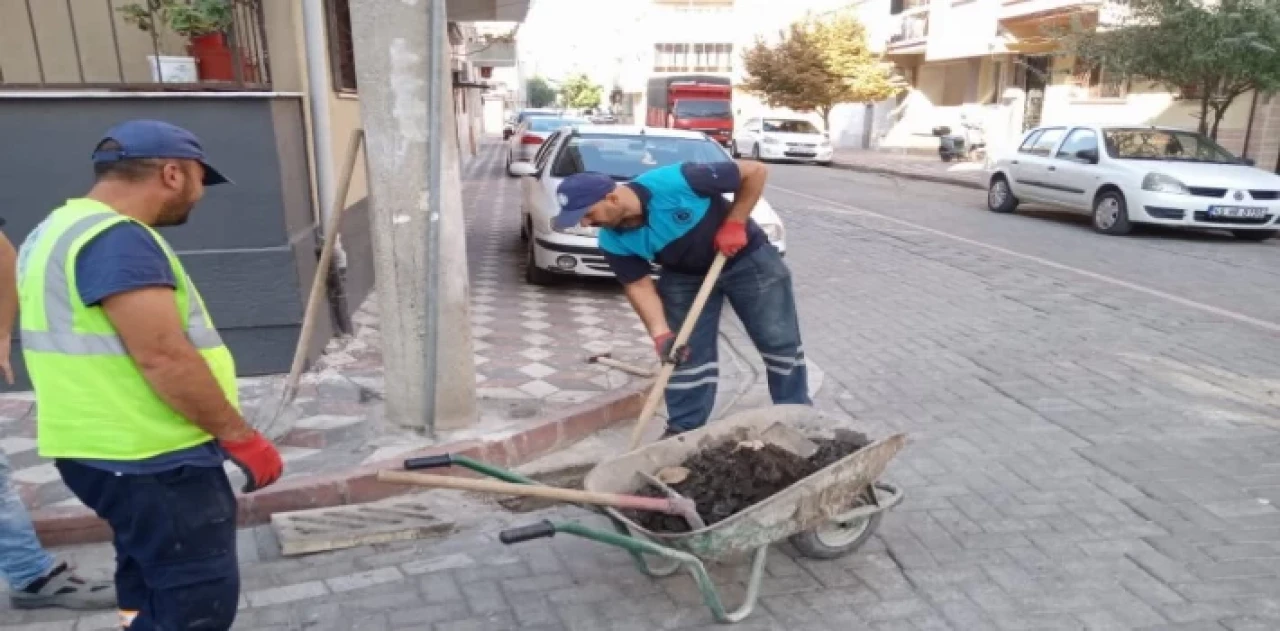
(1248, 162)
(1088, 156)
(523, 169)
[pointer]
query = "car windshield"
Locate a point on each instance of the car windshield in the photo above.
(546, 124)
(701, 108)
(625, 157)
(1164, 144)
(790, 126)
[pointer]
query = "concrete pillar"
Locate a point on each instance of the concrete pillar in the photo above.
(392, 62)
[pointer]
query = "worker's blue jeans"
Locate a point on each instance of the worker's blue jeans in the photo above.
(22, 559)
(175, 538)
(758, 287)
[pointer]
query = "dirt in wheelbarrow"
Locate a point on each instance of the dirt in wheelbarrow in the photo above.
(729, 478)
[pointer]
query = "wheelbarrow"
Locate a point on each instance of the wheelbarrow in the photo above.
(827, 515)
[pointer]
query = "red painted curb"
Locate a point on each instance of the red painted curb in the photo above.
(72, 525)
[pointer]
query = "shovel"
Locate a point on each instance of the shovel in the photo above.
(692, 516)
(682, 507)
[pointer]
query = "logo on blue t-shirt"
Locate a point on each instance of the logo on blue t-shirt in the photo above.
(682, 215)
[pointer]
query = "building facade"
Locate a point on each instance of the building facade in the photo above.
(275, 100)
(996, 63)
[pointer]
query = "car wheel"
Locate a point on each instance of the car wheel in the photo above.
(1254, 235)
(524, 229)
(533, 274)
(1000, 197)
(509, 173)
(733, 149)
(755, 151)
(1111, 214)
(821, 163)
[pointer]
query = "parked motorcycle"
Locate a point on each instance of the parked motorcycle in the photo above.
(969, 145)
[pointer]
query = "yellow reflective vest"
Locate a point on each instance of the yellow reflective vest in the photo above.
(92, 401)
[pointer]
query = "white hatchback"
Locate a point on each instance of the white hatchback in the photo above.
(781, 139)
(621, 151)
(1127, 175)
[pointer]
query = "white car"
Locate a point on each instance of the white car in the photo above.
(1128, 175)
(531, 133)
(623, 152)
(781, 139)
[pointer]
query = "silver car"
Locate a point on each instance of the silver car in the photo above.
(529, 136)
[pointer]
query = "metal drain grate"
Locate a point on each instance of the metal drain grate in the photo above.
(320, 529)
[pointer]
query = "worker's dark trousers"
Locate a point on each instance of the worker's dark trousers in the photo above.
(175, 539)
(758, 286)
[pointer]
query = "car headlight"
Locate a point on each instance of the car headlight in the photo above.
(773, 231)
(1161, 183)
(769, 141)
(579, 231)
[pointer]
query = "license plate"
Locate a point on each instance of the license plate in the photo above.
(1237, 212)
(800, 154)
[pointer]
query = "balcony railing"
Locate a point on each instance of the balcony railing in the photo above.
(911, 29)
(130, 45)
(906, 6)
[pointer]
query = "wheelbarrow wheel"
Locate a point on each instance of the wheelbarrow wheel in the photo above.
(835, 540)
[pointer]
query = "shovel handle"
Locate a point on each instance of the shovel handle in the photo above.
(572, 496)
(682, 337)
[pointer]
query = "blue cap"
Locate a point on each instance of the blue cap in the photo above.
(578, 193)
(152, 139)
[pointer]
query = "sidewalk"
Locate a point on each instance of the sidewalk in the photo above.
(535, 390)
(912, 167)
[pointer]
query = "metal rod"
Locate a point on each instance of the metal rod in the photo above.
(262, 51)
(75, 40)
(115, 38)
(155, 44)
(1248, 130)
(435, 143)
(35, 41)
(233, 45)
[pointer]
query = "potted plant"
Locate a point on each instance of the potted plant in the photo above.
(203, 22)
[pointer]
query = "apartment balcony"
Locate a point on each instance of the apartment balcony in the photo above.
(1035, 9)
(909, 32)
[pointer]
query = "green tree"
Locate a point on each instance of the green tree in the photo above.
(818, 64)
(1213, 50)
(539, 93)
(579, 91)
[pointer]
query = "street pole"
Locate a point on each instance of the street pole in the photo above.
(419, 239)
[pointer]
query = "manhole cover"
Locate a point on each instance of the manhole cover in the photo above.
(321, 529)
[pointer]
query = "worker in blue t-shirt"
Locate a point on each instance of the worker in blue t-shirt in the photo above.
(677, 216)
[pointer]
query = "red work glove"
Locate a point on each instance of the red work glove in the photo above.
(731, 237)
(257, 458)
(665, 345)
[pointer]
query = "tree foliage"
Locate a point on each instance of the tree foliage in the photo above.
(1211, 50)
(818, 64)
(578, 91)
(539, 93)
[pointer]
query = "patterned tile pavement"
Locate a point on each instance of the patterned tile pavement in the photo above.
(531, 345)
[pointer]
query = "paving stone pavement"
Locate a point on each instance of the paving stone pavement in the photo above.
(912, 166)
(1083, 456)
(531, 344)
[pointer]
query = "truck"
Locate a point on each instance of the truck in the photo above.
(696, 102)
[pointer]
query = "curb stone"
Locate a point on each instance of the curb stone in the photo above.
(66, 525)
(927, 177)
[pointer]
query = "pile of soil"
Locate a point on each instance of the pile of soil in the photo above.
(727, 479)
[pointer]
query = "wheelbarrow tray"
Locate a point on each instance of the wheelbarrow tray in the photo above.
(809, 503)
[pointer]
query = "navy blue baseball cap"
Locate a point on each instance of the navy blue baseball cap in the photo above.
(578, 193)
(152, 139)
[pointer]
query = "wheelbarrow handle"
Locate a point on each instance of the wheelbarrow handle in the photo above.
(527, 533)
(438, 461)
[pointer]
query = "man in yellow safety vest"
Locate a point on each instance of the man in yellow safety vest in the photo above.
(135, 391)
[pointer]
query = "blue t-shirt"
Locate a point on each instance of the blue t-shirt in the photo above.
(684, 207)
(122, 258)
